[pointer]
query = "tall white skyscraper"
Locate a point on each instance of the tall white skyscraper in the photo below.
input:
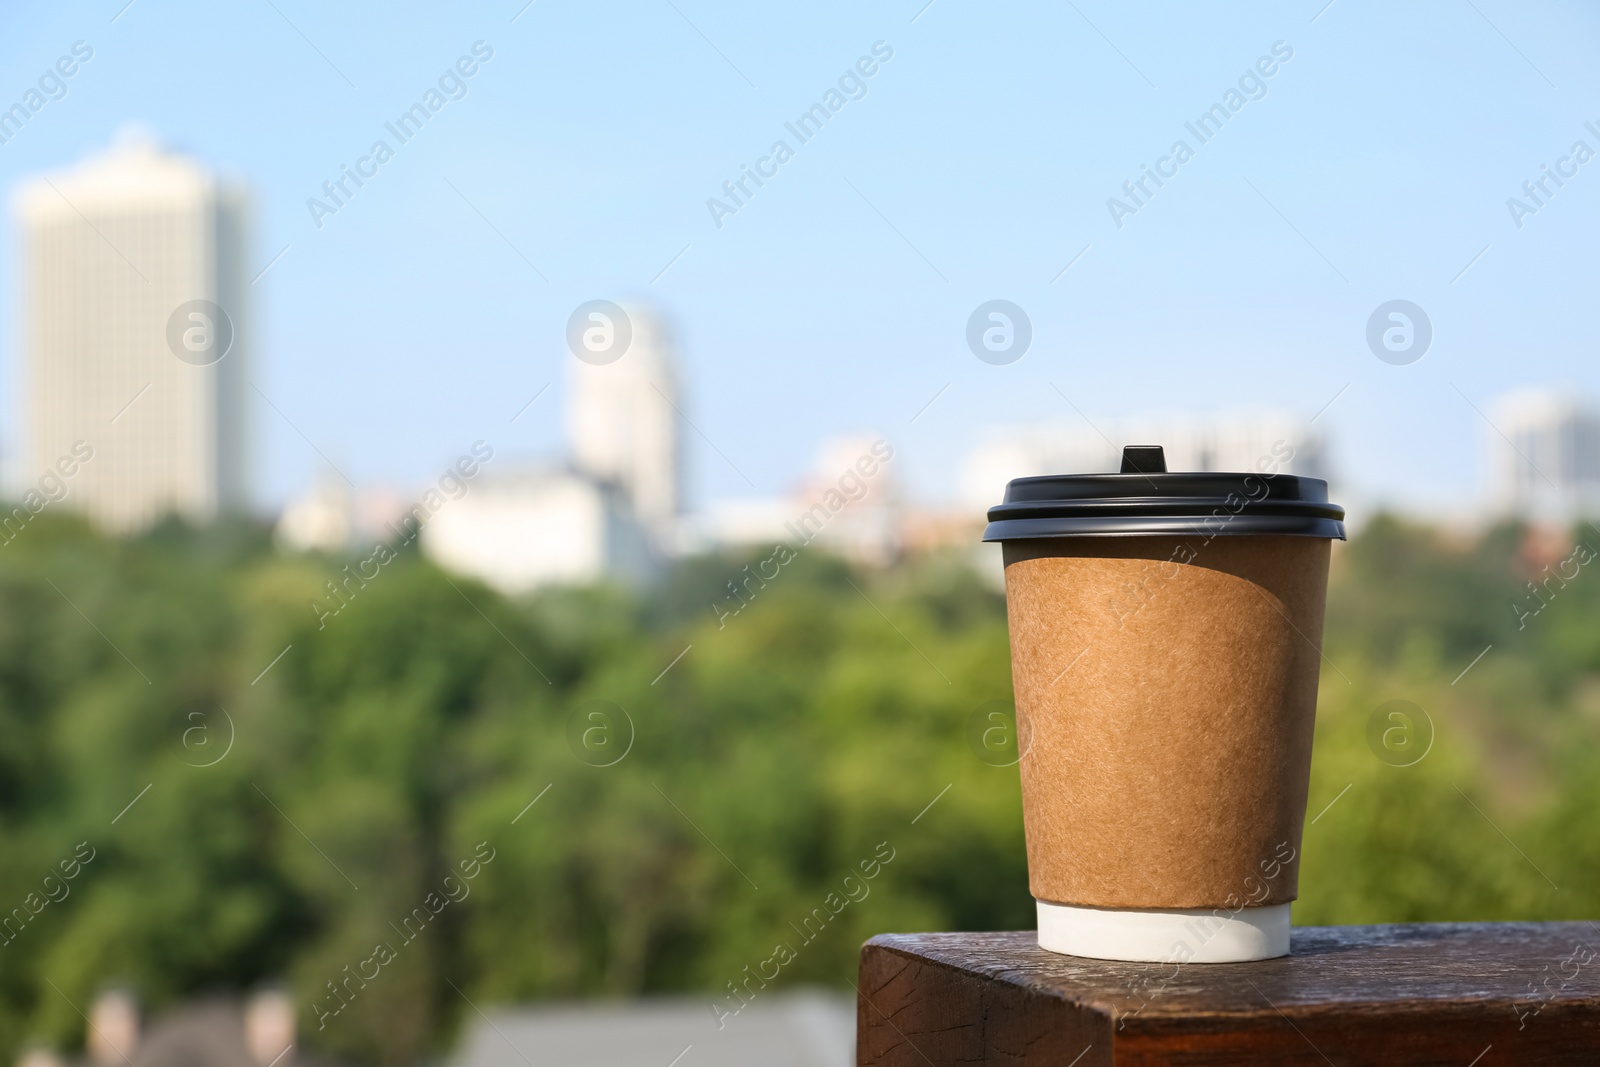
(135, 335)
(623, 423)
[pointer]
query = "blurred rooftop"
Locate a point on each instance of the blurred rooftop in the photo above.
(803, 1029)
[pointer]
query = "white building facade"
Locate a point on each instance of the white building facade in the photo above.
(1546, 467)
(123, 263)
(518, 530)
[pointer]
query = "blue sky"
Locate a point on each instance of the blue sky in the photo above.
(978, 164)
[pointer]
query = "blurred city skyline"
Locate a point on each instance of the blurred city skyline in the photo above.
(425, 311)
(616, 393)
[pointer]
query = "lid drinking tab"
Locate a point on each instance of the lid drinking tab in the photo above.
(1144, 459)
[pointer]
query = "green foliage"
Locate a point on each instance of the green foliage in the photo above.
(303, 791)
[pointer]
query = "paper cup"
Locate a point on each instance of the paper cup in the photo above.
(1165, 661)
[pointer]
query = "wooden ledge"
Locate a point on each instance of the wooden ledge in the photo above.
(1479, 994)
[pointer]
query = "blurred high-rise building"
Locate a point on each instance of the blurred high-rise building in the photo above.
(1547, 465)
(622, 422)
(135, 336)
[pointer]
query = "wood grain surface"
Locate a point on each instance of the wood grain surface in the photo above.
(1478, 994)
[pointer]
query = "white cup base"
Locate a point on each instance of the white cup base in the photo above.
(1191, 935)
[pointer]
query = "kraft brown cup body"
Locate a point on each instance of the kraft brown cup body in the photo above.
(1166, 692)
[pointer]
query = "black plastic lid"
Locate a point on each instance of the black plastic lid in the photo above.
(1145, 499)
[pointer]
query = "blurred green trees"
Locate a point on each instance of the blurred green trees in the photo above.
(298, 792)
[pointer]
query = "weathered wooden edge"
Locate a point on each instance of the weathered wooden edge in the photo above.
(1485, 1034)
(910, 999)
(912, 1010)
(993, 956)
